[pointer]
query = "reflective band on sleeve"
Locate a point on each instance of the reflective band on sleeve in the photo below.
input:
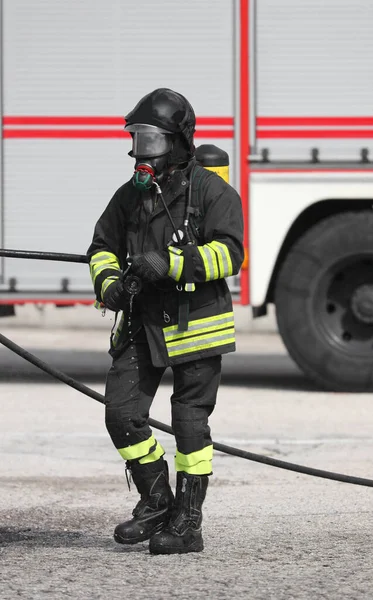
(224, 258)
(100, 256)
(207, 258)
(199, 326)
(176, 263)
(98, 269)
(138, 450)
(212, 261)
(101, 261)
(108, 281)
(195, 463)
(202, 342)
(153, 456)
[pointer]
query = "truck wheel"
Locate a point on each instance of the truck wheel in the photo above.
(324, 302)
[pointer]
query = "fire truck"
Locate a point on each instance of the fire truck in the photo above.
(285, 87)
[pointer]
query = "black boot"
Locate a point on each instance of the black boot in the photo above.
(184, 531)
(153, 511)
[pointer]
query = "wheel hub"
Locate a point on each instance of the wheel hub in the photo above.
(362, 303)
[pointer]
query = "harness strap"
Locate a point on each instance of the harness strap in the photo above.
(192, 208)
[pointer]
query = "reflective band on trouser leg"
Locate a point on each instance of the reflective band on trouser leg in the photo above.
(195, 463)
(139, 450)
(176, 263)
(224, 258)
(153, 456)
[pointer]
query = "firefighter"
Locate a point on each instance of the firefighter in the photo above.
(178, 228)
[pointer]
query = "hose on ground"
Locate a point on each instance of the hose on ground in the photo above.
(267, 460)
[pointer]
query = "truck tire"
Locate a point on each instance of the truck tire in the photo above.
(324, 302)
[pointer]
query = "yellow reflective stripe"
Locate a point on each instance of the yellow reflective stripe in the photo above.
(101, 261)
(213, 262)
(97, 270)
(153, 456)
(224, 258)
(203, 468)
(196, 322)
(195, 463)
(175, 250)
(176, 263)
(108, 281)
(103, 255)
(138, 450)
(181, 335)
(202, 342)
(190, 287)
(206, 262)
(196, 329)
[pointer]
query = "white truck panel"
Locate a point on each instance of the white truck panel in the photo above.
(54, 199)
(277, 199)
(95, 58)
(313, 58)
(101, 56)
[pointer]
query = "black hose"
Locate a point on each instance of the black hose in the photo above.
(273, 462)
(59, 256)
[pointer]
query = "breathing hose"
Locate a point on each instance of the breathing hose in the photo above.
(80, 387)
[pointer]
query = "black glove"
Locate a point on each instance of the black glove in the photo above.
(116, 296)
(151, 266)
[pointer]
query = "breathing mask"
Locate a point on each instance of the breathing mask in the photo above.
(151, 147)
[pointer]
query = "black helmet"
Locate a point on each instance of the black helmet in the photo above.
(172, 112)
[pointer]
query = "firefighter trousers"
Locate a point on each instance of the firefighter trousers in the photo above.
(131, 385)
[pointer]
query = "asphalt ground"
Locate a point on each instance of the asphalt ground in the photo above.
(269, 533)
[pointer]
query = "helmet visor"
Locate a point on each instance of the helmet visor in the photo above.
(150, 144)
(149, 141)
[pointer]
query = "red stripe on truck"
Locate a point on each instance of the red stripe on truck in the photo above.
(314, 121)
(98, 121)
(314, 134)
(99, 133)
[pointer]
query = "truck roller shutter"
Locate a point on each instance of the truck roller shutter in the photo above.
(313, 59)
(95, 59)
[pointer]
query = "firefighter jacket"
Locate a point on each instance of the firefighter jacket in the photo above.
(134, 223)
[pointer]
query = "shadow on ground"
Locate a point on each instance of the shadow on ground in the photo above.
(39, 538)
(267, 371)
